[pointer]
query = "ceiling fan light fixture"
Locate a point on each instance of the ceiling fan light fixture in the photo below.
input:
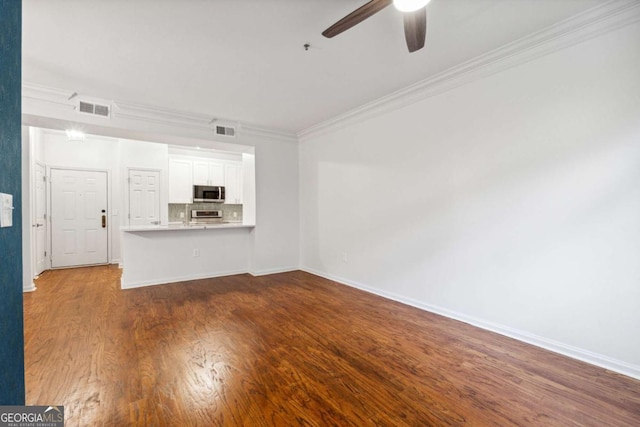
(409, 5)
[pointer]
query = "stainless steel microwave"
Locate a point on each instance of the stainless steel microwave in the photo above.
(208, 194)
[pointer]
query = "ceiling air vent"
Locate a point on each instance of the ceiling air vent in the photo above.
(225, 130)
(93, 109)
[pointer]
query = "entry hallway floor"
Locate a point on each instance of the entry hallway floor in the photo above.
(290, 349)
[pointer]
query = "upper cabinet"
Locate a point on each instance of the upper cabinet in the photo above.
(180, 180)
(233, 182)
(186, 171)
(207, 172)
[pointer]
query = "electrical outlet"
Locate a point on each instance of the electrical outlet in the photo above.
(196, 253)
(235, 214)
(345, 257)
(181, 215)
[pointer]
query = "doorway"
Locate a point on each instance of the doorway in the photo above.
(79, 229)
(144, 197)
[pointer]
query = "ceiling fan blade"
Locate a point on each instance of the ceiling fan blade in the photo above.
(415, 29)
(355, 17)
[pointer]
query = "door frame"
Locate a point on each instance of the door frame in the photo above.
(34, 237)
(109, 204)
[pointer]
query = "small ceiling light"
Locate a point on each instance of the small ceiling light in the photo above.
(410, 5)
(75, 135)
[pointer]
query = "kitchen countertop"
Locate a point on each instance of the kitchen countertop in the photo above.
(183, 227)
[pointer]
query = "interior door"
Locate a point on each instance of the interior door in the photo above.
(39, 222)
(144, 197)
(79, 229)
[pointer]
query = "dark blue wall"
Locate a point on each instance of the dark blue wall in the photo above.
(12, 391)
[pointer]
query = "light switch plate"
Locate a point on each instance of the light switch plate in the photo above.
(6, 210)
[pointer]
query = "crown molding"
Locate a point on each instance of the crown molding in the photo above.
(183, 119)
(51, 97)
(53, 102)
(152, 114)
(268, 133)
(591, 23)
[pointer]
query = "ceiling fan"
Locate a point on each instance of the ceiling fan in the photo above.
(415, 20)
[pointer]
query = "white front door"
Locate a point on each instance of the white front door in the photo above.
(144, 197)
(79, 229)
(40, 219)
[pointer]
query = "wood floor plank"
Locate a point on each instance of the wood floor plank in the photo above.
(291, 349)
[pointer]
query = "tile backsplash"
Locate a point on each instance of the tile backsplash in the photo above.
(227, 210)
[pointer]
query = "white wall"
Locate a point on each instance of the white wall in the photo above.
(512, 202)
(275, 239)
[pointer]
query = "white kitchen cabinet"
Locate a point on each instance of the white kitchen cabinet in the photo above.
(208, 173)
(233, 182)
(180, 180)
(185, 171)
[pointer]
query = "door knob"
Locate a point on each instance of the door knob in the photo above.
(104, 221)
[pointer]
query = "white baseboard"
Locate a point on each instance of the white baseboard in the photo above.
(29, 288)
(587, 356)
(273, 271)
(176, 279)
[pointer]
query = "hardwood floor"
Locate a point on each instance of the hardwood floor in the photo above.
(290, 349)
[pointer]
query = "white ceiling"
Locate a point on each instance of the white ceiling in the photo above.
(243, 60)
